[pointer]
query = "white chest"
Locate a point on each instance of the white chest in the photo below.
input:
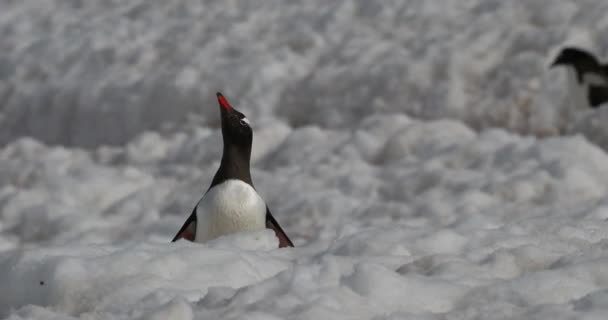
(580, 91)
(577, 90)
(229, 207)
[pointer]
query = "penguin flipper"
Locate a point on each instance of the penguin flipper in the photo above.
(271, 223)
(188, 230)
(597, 95)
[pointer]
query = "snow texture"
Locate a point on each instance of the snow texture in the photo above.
(422, 156)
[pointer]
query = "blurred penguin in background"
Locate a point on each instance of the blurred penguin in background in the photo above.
(587, 77)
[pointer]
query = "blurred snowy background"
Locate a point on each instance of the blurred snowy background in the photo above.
(421, 155)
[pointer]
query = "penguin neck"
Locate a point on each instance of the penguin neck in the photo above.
(234, 165)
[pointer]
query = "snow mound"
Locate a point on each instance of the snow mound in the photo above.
(152, 279)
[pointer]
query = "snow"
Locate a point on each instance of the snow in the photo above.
(422, 157)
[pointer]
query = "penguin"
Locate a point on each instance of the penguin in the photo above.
(587, 77)
(231, 204)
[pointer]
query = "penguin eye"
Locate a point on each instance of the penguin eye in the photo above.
(244, 122)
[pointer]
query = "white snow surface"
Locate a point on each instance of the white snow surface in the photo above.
(421, 155)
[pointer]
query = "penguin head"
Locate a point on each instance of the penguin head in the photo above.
(236, 129)
(582, 61)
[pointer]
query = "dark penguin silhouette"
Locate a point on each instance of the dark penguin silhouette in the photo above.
(587, 77)
(231, 204)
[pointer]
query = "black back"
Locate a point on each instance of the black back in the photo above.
(597, 95)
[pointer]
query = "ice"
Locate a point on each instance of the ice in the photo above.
(422, 156)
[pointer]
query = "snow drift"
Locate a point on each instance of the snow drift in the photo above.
(417, 153)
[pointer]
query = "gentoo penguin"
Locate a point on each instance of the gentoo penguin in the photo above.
(231, 204)
(587, 77)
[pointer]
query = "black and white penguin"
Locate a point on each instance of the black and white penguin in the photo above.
(231, 204)
(587, 77)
